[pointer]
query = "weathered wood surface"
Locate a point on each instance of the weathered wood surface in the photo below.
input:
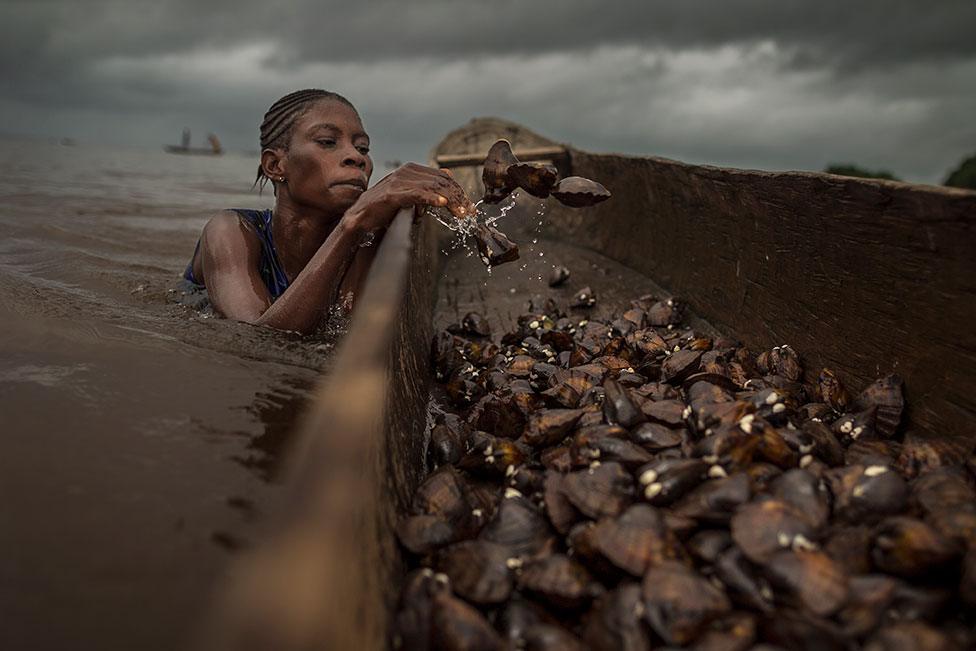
(329, 575)
(861, 276)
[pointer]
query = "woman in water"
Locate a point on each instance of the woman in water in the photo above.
(287, 267)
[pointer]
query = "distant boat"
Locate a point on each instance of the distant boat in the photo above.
(213, 150)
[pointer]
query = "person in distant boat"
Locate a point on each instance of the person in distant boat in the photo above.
(288, 266)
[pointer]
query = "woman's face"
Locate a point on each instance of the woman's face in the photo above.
(327, 165)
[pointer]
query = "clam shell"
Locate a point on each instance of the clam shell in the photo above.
(462, 390)
(655, 437)
(475, 324)
(499, 416)
(793, 629)
(550, 426)
(550, 637)
(818, 582)
(535, 178)
(561, 512)
(714, 362)
(559, 581)
(456, 626)
(957, 523)
(478, 571)
(583, 298)
(782, 361)
(492, 456)
(908, 547)
(519, 615)
(443, 494)
(635, 540)
(664, 313)
(578, 192)
(608, 448)
(679, 603)
(680, 365)
(708, 544)
(412, 623)
(850, 547)
(721, 414)
(872, 453)
(920, 455)
(730, 447)
(826, 446)
(618, 408)
(967, 585)
(558, 276)
(494, 246)
(708, 388)
(885, 394)
(519, 526)
(741, 578)
(447, 445)
(804, 491)
(666, 412)
(563, 395)
(422, 534)
(445, 355)
(866, 493)
(714, 501)
(735, 631)
(832, 391)
(909, 636)
(869, 598)
(615, 622)
(664, 481)
(763, 528)
(762, 475)
(498, 184)
(942, 488)
(774, 449)
(602, 491)
(919, 602)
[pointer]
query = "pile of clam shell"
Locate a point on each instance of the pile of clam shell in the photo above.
(503, 173)
(630, 484)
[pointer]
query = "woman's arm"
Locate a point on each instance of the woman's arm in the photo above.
(230, 271)
(231, 253)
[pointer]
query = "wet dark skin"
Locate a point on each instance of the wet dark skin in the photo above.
(322, 214)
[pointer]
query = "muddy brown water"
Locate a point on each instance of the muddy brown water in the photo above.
(138, 437)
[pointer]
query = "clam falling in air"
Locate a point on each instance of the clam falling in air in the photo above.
(498, 184)
(535, 178)
(494, 246)
(578, 192)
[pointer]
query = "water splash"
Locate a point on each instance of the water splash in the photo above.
(465, 227)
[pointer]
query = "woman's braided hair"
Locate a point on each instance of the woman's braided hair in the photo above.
(280, 119)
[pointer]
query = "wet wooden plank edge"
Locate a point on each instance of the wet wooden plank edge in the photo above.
(327, 577)
(864, 277)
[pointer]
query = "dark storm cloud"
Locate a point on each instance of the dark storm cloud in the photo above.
(754, 83)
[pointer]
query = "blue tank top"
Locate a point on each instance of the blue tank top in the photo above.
(269, 266)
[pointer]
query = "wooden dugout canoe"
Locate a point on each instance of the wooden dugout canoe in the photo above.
(862, 276)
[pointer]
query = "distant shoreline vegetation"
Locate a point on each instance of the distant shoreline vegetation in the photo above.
(849, 169)
(964, 176)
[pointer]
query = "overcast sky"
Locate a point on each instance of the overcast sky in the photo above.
(769, 84)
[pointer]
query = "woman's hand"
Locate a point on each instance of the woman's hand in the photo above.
(409, 185)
